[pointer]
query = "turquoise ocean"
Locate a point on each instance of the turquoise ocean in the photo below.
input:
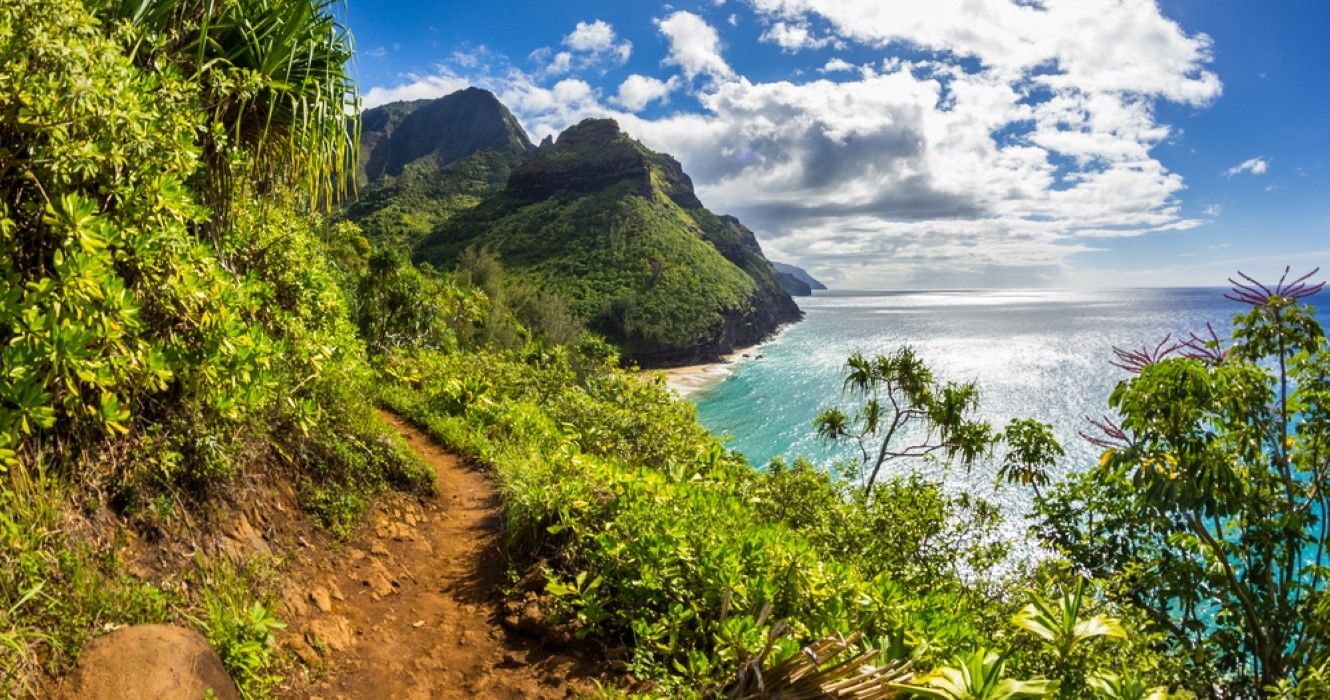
(1040, 354)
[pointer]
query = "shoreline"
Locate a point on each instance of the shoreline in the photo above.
(690, 380)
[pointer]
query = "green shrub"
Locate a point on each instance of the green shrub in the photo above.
(656, 536)
(240, 629)
(153, 350)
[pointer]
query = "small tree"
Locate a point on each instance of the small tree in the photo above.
(1208, 508)
(909, 414)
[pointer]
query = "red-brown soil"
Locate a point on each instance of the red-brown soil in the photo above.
(409, 607)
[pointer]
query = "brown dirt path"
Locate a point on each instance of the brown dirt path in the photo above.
(408, 608)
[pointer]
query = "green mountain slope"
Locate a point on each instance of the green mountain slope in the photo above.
(617, 230)
(423, 161)
(796, 280)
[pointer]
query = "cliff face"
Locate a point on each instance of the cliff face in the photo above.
(437, 132)
(796, 280)
(793, 285)
(595, 216)
(422, 162)
(587, 158)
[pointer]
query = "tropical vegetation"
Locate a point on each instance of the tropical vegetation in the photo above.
(187, 308)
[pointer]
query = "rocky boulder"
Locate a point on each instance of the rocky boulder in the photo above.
(160, 662)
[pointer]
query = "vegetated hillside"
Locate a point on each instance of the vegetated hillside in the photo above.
(796, 280)
(618, 231)
(174, 335)
(423, 161)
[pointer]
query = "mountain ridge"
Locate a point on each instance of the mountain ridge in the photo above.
(796, 280)
(594, 216)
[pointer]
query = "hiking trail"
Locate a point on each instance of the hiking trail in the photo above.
(409, 606)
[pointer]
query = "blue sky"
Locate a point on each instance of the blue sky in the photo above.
(993, 143)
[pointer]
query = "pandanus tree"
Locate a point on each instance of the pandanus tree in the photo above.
(906, 413)
(1208, 507)
(276, 86)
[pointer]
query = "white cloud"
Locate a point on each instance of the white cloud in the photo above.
(591, 45)
(598, 41)
(1255, 166)
(795, 36)
(694, 46)
(733, 20)
(419, 87)
(638, 91)
(998, 170)
(837, 65)
(561, 63)
(1214, 210)
(590, 36)
(1099, 45)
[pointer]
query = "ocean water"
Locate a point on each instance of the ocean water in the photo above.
(1040, 354)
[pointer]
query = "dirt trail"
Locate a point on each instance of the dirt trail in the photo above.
(408, 608)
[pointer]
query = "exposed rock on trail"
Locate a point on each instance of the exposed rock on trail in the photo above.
(149, 661)
(409, 607)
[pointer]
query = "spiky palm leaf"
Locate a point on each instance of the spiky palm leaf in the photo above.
(275, 78)
(1060, 624)
(977, 676)
(1111, 686)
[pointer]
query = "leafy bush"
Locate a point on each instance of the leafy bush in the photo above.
(1207, 511)
(657, 537)
(241, 630)
(153, 349)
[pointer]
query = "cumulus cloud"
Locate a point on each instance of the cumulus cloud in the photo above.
(552, 63)
(591, 45)
(418, 87)
(638, 91)
(1125, 46)
(1255, 166)
(837, 65)
(795, 36)
(1006, 140)
(598, 38)
(694, 46)
(590, 36)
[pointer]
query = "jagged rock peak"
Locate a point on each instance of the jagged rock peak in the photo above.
(438, 132)
(594, 154)
(590, 132)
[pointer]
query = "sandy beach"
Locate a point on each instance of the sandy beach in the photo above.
(694, 379)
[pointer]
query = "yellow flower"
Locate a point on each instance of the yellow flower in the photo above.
(1288, 442)
(1105, 458)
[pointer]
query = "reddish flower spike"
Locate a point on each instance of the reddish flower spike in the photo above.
(1209, 350)
(1136, 360)
(1110, 435)
(1249, 291)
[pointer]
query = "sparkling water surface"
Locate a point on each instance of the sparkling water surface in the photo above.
(1040, 354)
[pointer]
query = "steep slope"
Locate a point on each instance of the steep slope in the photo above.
(423, 161)
(618, 230)
(796, 280)
(437, 132)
